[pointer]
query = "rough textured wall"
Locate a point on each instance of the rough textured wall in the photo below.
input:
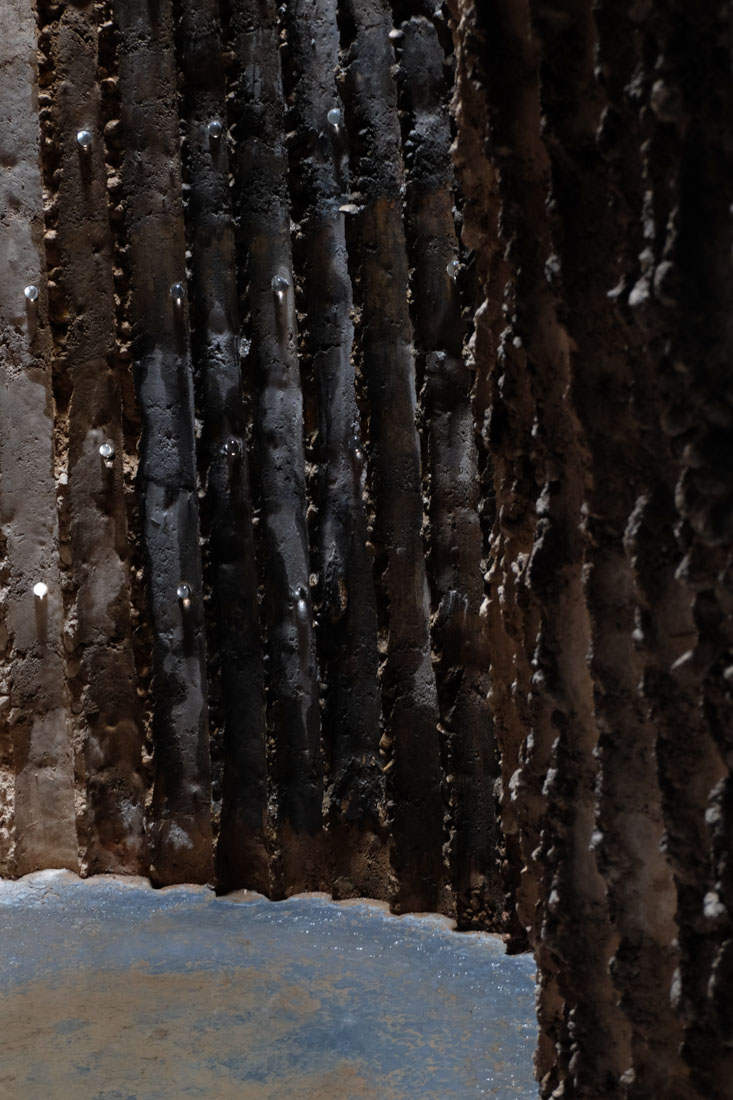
(594, 147)
(238, 449)
(365, 414)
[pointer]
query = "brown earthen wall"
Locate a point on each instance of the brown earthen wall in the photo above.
(594, 148)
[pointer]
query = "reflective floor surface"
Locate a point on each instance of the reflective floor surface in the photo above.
(112, 990)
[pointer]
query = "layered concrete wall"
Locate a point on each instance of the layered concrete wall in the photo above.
(404, 566)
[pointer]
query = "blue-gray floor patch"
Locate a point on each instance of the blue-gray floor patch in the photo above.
(115, 991)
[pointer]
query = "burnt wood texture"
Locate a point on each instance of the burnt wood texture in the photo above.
(366, 480)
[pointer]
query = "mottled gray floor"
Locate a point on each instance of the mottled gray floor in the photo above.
(113, 990)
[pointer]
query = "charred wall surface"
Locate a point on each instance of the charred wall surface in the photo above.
(239, 455)
(366, 485)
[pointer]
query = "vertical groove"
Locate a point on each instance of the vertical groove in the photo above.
(408, 682)
(38, 700)
(242, 857)
(181, 829)
(347, 626)
(263, 222)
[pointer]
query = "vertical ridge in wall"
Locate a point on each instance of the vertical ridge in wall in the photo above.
(591, 1036)
(518, 679)
(242, 847)
(181, 828)
(51, 173)
(7, 771)
(263, 221)
(459, 632)
(597, 242)
(347, 623)
(504, 414)
(408, 682)
(121, 365)
(42, 759)
(562, 899)
(684, 278)
(100, 627)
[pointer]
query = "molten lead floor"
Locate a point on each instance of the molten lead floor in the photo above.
(113, 990)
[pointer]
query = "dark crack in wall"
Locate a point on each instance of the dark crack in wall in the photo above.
(365, 420)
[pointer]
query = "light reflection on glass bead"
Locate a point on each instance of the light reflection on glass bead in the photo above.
(31, 292)
(280, 287)
(301, 605)
(215, 129)
(107, 452)
(84, 140)
(334, 118)
(177, 293)
(40, 590)
(183, 592)
(232, 447)
(452, 269)
(357, 450)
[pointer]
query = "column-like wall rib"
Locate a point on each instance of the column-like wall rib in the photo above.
(242, 848)
(347, 625)
(263, 222)
(409, 696)
(80, 252)
(460, 640)
(181, 825)
(588, 180)
(37, 744)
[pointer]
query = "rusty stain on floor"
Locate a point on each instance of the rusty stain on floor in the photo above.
(114, 991)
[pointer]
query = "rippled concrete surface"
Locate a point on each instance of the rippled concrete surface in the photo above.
(113, 990)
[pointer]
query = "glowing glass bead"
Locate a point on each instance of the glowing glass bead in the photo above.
(280, 287)
(302, 604)
(31, 292)
(232, 447)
